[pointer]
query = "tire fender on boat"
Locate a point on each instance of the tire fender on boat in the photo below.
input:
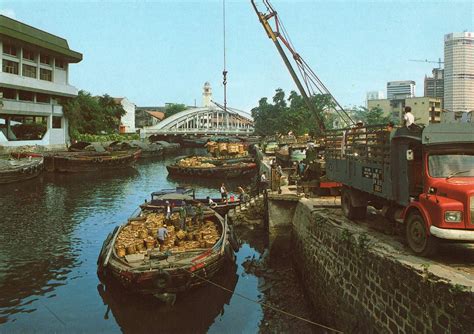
(162, 279)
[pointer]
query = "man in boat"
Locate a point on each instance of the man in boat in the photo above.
(162, 235)
(210, 202)
(182, 217)
(241, 194)
(199, 216)
(223, 192)
(263, 182)
(168, 211)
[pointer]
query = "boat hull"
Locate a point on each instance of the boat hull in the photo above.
(231, 171)
(88, 162)
(166, 272)
(28, 170)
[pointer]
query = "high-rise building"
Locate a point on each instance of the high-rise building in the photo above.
(400, 89)
(434, 86)
(459, 72)
(375, 95)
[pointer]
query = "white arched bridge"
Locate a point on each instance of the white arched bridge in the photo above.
(206, 120)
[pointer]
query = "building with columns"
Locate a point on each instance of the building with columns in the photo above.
(34, 81)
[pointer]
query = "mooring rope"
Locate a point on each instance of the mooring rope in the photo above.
(262, 303)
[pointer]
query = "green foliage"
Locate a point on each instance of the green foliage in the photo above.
(370, 117)
(346, 236)
(291, 114)
(92, 115)
(174, 108)
(103, 138)
(29, 130)
(458, 288)
(363, 241)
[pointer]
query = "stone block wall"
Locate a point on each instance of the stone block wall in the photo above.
(359, 285)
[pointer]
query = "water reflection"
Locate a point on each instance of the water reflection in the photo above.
(52, 229)
(193, 314)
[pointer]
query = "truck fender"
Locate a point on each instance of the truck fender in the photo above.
(416, 206)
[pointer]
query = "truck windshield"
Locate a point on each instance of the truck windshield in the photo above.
(451, 165)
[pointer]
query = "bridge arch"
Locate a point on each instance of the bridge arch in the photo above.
(205, 120)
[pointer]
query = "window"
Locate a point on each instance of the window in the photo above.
(9, 66)
(28, 54)
(26, 127)
(42, 98)
(57, 122)
(44, 59)
(8, 93)
(29, 71)
(10, 49)
(59, 63)
(25, 96)
(46, 74)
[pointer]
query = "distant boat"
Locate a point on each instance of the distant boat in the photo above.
(231, 170)
(20, 167)
(89, 161)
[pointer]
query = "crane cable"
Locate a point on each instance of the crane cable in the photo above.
(262, 303)
(224, 72)
(311, 80)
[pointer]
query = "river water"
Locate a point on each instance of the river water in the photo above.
(52, 229)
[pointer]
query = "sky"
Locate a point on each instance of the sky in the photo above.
(157, 52)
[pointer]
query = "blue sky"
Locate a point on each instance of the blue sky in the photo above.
(154, 52)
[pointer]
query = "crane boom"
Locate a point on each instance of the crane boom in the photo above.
(311, 80)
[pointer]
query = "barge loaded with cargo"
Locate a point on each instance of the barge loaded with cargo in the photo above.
(132, 255)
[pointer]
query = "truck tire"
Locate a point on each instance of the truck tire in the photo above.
(417, 237)
(350, 211)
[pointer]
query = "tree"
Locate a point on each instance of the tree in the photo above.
(373, 116)
(296, 117)
(174, 108)
(92, 115)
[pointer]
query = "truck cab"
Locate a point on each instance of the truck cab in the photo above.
(444, 208)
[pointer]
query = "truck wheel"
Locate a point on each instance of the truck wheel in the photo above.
(418, 239)
(350, 211)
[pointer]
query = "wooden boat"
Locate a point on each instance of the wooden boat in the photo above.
(20, 167)
(177, 265)
(232, 170)
(89, 161)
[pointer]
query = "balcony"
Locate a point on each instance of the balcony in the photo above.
(30, 108)
(42, 86)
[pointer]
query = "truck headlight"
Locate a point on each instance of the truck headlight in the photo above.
(453, 216)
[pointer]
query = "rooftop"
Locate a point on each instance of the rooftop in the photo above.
(11, 28)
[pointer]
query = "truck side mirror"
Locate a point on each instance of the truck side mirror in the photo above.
(410, 155)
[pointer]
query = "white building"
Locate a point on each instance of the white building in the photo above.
(206, 95)
(375, 95)
(400, 89)
(33, 82)
(127, 122)
(459, 72)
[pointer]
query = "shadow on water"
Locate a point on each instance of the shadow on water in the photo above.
(193, 313)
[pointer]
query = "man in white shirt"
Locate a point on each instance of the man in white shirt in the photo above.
(408, 117)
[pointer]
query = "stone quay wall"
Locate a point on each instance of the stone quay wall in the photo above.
(358, 283)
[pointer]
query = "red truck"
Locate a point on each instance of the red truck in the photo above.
(423, 178)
